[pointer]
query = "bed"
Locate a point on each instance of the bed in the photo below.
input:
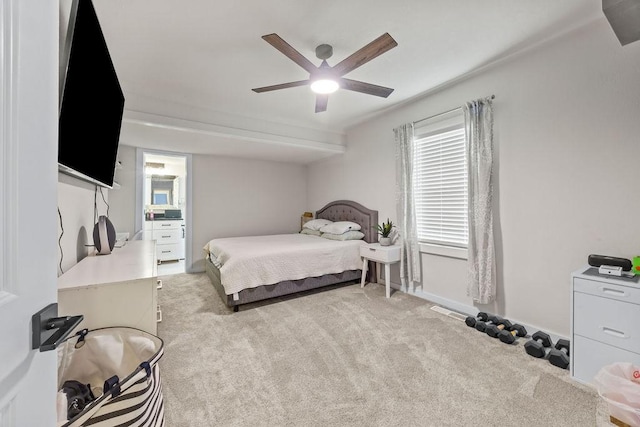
(335, 261)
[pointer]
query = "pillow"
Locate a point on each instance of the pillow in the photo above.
(349, 235)
(340, 227)
(310, 232)
(316, 224)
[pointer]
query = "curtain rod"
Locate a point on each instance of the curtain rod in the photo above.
(442, 114)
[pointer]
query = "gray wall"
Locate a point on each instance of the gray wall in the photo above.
(566, 132)
(76, 205)
(240, 197)
(122, 201)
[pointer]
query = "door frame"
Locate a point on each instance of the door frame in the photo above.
(188, 218)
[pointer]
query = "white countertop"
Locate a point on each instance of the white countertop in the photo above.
(135, 260)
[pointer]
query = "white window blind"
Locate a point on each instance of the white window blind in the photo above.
(440, 184)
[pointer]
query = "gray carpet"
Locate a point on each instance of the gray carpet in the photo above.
(349, 357)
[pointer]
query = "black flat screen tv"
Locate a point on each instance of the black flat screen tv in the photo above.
(92, 102)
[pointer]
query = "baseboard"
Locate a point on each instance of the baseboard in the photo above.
(452, 305)
(467, 310)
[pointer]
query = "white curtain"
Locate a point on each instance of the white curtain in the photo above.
(478, 117)
(410, 254)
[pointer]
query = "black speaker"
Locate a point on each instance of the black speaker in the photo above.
(104, 236)
(624, 18)
(598, 260)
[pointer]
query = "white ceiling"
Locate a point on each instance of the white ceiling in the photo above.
(187, 68)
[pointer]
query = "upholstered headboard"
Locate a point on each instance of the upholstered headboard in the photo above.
(347, 210)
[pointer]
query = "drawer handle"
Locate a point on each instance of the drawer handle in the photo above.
(614, 332)
(611, 291)
(165, 237)
(165, 225)
(372, 249)
(166, 252)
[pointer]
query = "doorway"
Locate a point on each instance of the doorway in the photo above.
(164, 207)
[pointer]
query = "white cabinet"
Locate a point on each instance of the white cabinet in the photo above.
(119, 289)
(168, 235)
(605, 318)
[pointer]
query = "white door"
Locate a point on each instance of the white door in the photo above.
(28, 197)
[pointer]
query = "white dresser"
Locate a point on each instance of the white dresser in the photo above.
(119, 289)
(168, 234)
(605, 322)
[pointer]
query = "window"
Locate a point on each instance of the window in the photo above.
(440, 181)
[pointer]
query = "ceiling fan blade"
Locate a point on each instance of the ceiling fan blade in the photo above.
(363, 87)
(281, 86)
(321, 102)
(284, 47)
(376, 48)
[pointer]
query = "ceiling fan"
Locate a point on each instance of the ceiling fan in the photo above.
(326, 79)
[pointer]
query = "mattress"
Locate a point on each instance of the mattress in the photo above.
(249, 262)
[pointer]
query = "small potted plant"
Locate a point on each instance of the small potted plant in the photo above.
(384, 230)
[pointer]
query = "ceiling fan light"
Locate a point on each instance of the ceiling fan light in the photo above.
(325, 86)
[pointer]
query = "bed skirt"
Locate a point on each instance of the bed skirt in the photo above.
(279, 289)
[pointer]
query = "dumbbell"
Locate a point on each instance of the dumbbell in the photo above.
(559, 356)
(481, 326)
(471, 321)
(494, 330)
(509, 336)
(538, 344)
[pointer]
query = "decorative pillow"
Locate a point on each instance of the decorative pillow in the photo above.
(316, 224)
(349, 235)
(340, 227)
(310, 232)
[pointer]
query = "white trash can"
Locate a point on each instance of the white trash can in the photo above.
(619, 385)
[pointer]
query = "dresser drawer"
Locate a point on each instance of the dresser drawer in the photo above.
(607, 320)
(607, 290)
(164, 225)
(590, 356)
(166, 236)
(380, 253)
(167, 252)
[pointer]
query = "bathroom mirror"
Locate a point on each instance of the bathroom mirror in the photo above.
(164, 191)
(162, 188)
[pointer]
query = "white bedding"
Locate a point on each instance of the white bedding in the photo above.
(248, 262)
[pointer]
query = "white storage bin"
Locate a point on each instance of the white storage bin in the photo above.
(120, 366)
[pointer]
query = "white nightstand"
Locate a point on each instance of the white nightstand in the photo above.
(386, 255)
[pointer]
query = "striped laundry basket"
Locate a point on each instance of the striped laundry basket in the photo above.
(120, 367)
